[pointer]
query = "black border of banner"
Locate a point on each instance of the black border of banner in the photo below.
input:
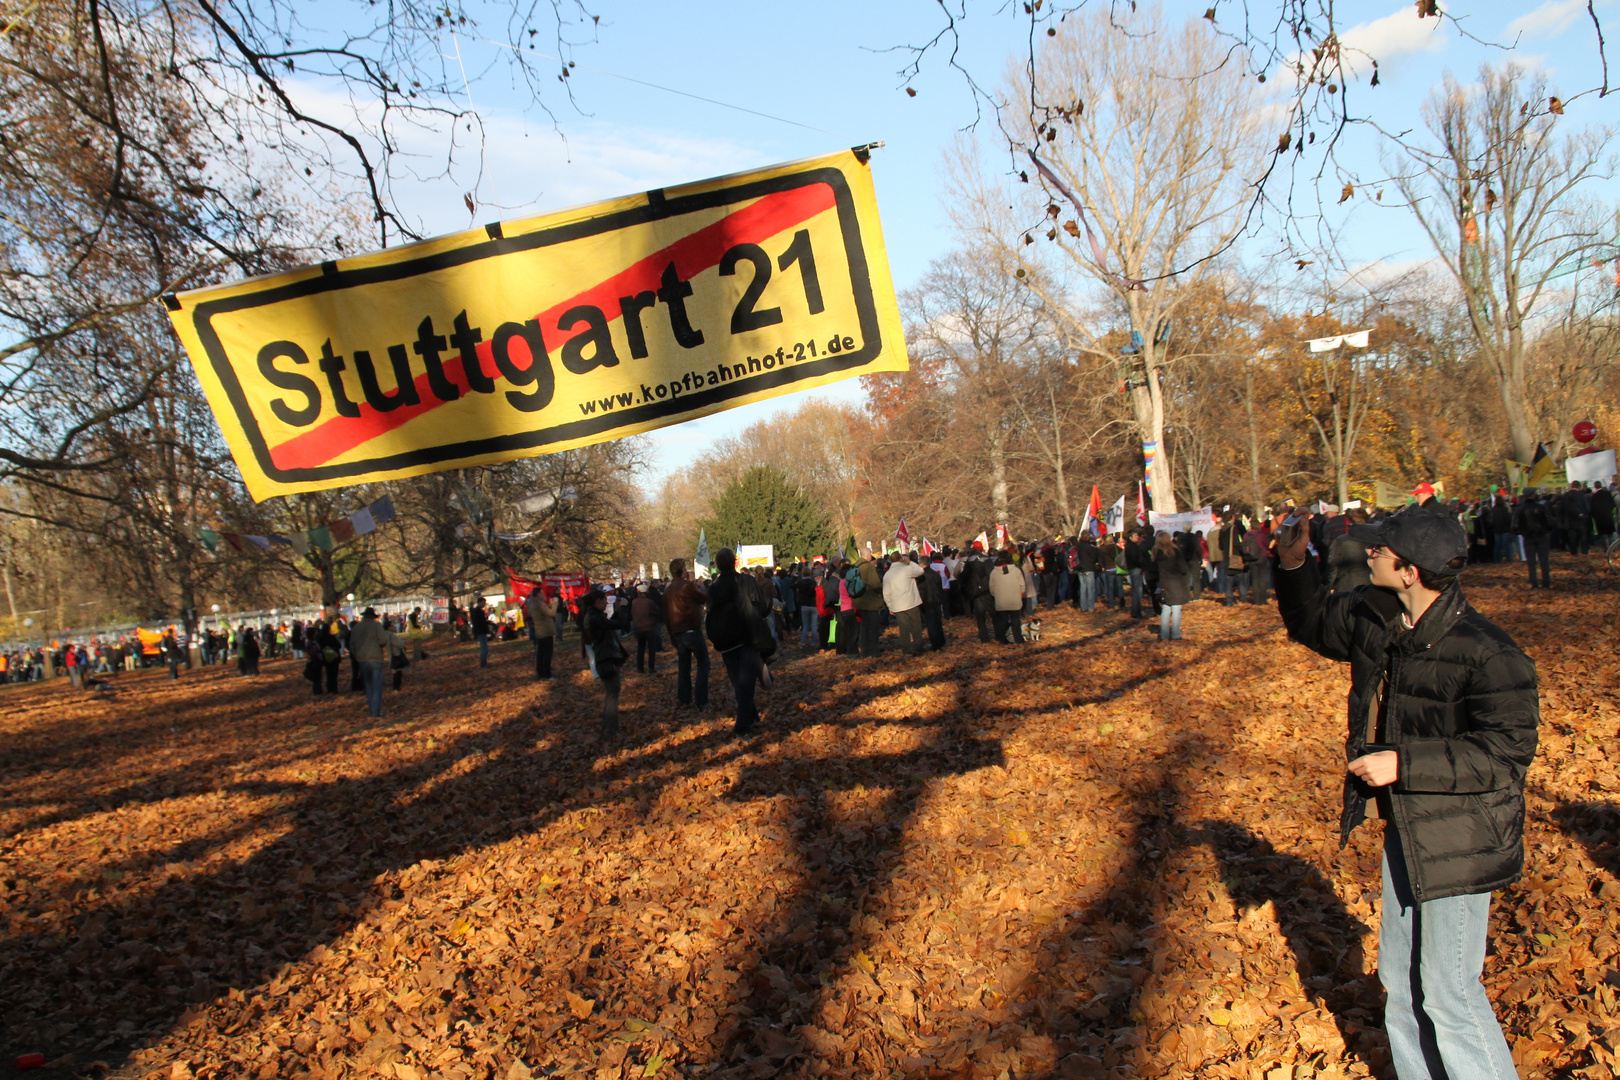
(656, 209)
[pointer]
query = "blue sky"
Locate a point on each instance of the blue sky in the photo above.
(824, 67)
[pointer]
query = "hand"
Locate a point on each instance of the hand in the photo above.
(1290, 541)
(1377, 770)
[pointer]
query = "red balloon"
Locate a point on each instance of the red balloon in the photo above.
(1585, 431)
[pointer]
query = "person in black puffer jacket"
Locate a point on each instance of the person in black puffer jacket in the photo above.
(1443, 718)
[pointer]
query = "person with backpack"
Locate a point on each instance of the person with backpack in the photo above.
(976, 591)
(866, 590)
(1534, 525)
(1235, 573)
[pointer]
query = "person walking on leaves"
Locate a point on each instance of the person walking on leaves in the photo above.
(1443, 718)
(371, 646)
(737, 630)
(480, 630)
(868, 606)
(683, 614)
(605, 652)
(540, 616)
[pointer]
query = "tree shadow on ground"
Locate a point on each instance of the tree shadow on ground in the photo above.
(123, 971)
(1328, 942)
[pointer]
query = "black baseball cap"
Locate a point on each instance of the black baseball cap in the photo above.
(1425, 539)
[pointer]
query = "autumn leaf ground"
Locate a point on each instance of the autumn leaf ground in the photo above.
(1094, 855)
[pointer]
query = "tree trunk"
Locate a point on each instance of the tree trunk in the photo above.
(998, 474)
(1147, 401)
(11, 599)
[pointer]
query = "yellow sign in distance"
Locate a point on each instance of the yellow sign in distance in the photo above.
(548, 333)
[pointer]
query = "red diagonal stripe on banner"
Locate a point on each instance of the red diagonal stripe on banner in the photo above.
(691, 254)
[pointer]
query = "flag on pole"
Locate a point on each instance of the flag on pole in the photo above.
(1093, 512)
(927, 549)
(982, 541)
(1141, 505)
(903, 534)
(702, 556)
(1114, 521)
(1001, 535)
(1541, 465)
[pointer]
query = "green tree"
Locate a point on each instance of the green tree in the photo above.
(762, 507)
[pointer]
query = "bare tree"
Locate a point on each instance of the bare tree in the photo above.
(1160, 142)
(970, 320)
(1499, 197)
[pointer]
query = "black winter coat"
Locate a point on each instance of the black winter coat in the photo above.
(1531, 518)
(1461, 711)
(1602, 506)
(1173, 572)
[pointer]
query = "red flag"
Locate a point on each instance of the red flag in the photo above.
(1141, 505)
(1093, 521)
(901, 534)
(927, 548)
(1001, 535)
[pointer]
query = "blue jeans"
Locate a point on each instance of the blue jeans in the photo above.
(1437, 1015)
(1507, 546)
(689, 645)
(1136, 594)
(1113, 593)
(483, 650)
(1170, 622)
(371, 674)
(1235, 583)
(809, 627)
(1088, 590)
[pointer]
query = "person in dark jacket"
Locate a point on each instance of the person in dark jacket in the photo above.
(1577, 514)
(1533, 523)
(481, 630)
(932, 588)
(733, 606)
(1137, 556)
(1601, 504)
(599, 636)
(1174, 589)
(1443, 714)
(1502, 527)
(1085, 568)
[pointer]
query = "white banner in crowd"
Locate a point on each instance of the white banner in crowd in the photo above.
(1198, 521)
(756, 555)
(1599, 467)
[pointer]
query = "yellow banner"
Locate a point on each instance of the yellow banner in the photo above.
(549, 333)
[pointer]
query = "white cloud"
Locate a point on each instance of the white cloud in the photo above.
(1386, 40)
(514, 167)
(1548, 20)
